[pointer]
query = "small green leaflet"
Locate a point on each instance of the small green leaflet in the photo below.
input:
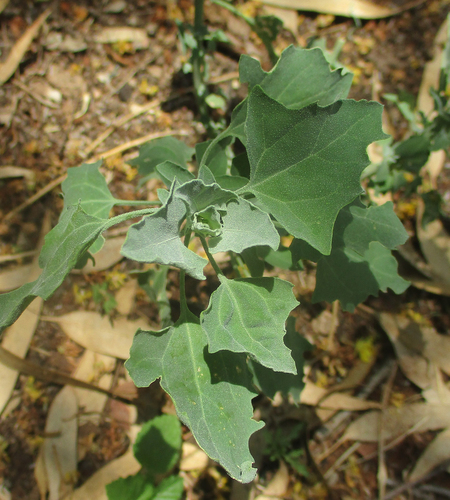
(163, 434)
(198, 196)
(87, 185)
(157, 239)
(270, 382)
(244, 226)
(361, 263)
(248, 315)
(300, 77)
(212, 393)
(64, 245)
(160, 150)
(306, 165)
(350, 277)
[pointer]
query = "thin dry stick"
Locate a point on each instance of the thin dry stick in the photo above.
(35, 96)
(17, 256)
(53, 376)
(333, 326)
(382, 471)
(106, 154)
(347, 453)
(119, 123)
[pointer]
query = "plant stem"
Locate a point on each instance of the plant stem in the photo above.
(129, 215)
(131, 203)
(198, 64)
(210, 257)
(184, 309)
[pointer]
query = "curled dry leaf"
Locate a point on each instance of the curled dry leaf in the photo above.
(95, 332)
(59, 453)
(13, 278)
(17, 337)
(420, 349)
(361, 9)
(137, 36)
(437, 452)
(9, 171)
(193, 458)
(8, 68)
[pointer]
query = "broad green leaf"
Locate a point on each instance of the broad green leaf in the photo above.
(357, 226)
(64, 245)
(137, 487)
(254, 263)
(231, 182)
(301, 77)
(212, 393)
(205, 175)
(160, 150)
(244, 226)
(306, 164)
(248, 315)
(217, 157)
(170, 488)
(157, 239)
(270, 382)
(350, 277)
(281, 258)
(158, 444)
(87, 185)
(170, 171)
(197, 196)
(301, 250)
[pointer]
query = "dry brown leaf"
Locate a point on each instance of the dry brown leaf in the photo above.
(9, 171)
(288, 16)
(60, 452)
(8, 68)
(437, 452)
(312, 395)
(435, 244)
(430, 77)
(278, 485)
(94, 487)
(93, 366)
(361, 9)
(417, 417)
(125, 297)
(17, 337)
(107, 256)
(137, 36)
(95, 332)
(13, 278)
(193, 458)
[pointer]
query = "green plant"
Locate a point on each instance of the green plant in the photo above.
(157, 449)
(199, 41)
(402, 161)
(305, 148)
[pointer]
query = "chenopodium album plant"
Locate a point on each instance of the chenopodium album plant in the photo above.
(305, 148)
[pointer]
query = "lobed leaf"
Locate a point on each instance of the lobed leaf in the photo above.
(64, 245)
(248, 315)
(85, 184)
(270, 382)
(306, 165)
(212, 393)
(158, 444)
(349, 277)
(156, 238)
(244, 226)
(160, 150)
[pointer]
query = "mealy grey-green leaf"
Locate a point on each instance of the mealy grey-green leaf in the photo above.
(248, 315)
(212, 393)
